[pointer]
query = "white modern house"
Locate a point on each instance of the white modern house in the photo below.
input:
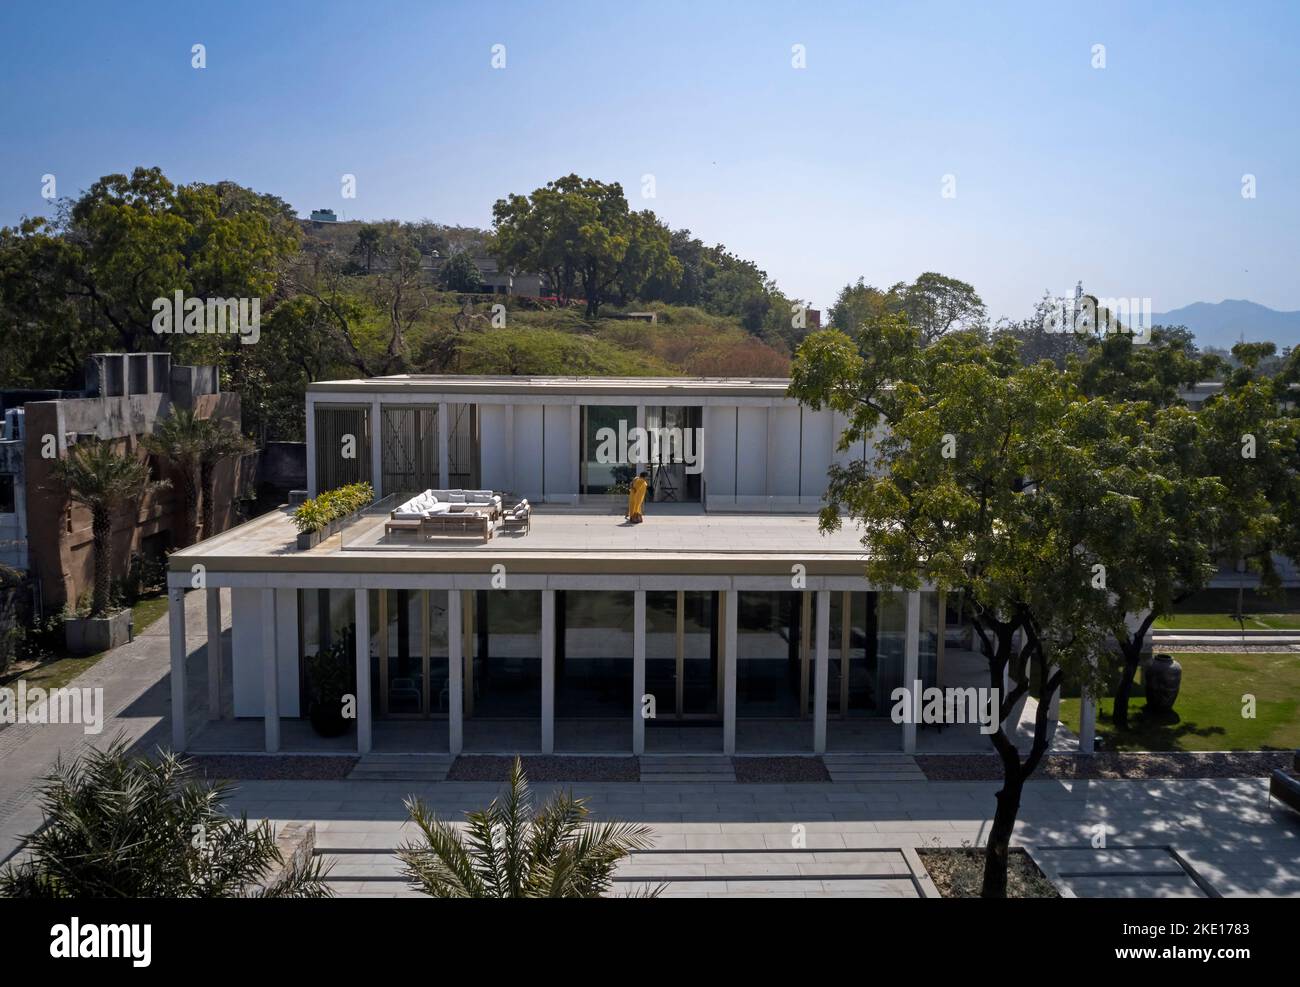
(725, 623)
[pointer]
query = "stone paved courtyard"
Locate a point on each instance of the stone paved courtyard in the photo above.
(730, 839)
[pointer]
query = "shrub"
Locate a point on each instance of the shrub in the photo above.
(315, 514)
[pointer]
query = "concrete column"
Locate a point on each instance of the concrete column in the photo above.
(731, 606)
(455, 675)
(548, 671)
(575, 449)
(821, 670)
(377, 449)
(311, 447)
(214, 654)
(638, 671)
(176, 628)
(364, 737)
(511, 483)
(640, 423)
(444, 437)
(270, 674)
(911, 667)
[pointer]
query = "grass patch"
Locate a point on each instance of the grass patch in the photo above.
(1208, 713)
(1227, 621)
(59, 669)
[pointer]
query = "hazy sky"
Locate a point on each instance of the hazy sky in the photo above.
(1128, 177)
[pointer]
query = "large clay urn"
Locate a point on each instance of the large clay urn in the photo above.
(1162, 678)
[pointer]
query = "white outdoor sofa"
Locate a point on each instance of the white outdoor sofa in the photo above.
(447, 512)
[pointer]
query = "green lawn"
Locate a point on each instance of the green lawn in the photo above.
(61, 669)
(1208, 713)
(1226, 621)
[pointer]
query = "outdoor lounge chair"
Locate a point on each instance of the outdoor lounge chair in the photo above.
(518, 518)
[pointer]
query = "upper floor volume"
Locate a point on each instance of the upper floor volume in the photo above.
(725, 443)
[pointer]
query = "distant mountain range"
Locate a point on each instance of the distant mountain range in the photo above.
(1224, 323)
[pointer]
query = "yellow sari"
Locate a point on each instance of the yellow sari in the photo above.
(636, 499)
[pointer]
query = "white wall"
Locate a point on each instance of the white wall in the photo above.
(720, 451)
(561, 453)
(528, 451)
(752, 443)
(246, 650)
(819, 438)
(783, 452)
(494, 457)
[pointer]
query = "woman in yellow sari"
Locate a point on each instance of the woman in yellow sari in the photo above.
(636, 498)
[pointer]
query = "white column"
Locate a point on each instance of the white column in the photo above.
(1087, 723)
(364, 738)
(455, 675)
(176, 628)
(270, 673)
(911, 666)
(311, 447)
(821, 670)
(444, 454)
(214, 654)
(638, 671)
(548, 671)
(575, 449)
(640, 424)
(511, 483)
(377, 450)
(729, 672)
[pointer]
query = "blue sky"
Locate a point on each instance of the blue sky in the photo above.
(1127, 177)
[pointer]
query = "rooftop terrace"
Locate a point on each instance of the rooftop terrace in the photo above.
(672, 538)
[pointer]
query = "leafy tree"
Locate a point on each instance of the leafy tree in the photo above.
(936, 304)
(368, 238)
(218, 444)
(580, 233)
(102, 480)
(118, 826)
(460, 273)
(178, 440)
(857, 304)
(86, 280)
(510, 850)
(994, 480)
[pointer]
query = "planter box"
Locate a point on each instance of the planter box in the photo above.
(90, 635)
(310, 539)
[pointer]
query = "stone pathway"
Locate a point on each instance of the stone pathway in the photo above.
(690, 768)
(731, 839)
(872, 767)
(137, 701)
(402, 767)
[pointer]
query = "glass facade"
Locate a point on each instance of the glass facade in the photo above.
(326, 617)
(593, 654)
(503, 654)
(603, 460)
(770, 677)
(683, 654)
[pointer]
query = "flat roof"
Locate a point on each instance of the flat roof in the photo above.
(504, 384)
(561, 540)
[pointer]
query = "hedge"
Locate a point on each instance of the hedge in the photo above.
(315, 514)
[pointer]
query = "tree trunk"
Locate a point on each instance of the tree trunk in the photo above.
(1132, 651)
(999, 842)
(101, 527)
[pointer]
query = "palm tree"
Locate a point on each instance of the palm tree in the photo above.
(97, 477)
(179, 440)
(121, 826)
(510, 851)
(218, 443)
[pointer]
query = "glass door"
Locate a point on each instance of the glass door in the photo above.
(403, 655)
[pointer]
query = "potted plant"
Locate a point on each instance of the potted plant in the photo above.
(329, 679)
(321, 516)
(99, 478)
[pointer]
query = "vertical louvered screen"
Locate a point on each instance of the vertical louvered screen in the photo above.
(410, 448)
(334, 427)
